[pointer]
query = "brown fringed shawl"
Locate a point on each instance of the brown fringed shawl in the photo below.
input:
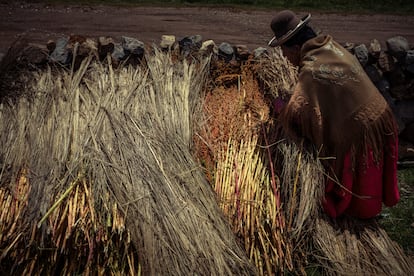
(335, 105)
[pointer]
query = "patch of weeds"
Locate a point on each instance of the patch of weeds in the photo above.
(398, 221)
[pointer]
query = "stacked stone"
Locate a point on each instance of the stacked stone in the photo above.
(392, 71)
(69, 51)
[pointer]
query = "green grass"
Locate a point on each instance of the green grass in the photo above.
(398, 221)
(354, 6)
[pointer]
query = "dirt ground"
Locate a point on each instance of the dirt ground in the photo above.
(40, 22)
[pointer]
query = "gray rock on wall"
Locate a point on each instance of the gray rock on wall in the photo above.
(374, 48)
(209, 47)
(61, 54)
(409, 57)
(133, 46)
(106, 46)
(398, 46)
(361, 53)
(118, 53)
(190, 44)
(225, 51)
(259, 52)
(167, 42)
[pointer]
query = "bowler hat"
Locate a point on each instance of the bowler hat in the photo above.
(285, 25)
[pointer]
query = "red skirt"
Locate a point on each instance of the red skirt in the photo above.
(362, 192)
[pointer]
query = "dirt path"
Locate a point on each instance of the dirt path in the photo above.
(40, 22)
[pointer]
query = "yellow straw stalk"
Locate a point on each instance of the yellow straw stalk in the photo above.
(249, 201)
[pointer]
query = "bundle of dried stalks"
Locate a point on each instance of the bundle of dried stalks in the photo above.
(358, 247)
(278, 74)
(301, 192)
(106, 153)
(78, 239)
(250, 198)
(248, 190)
(302, 189)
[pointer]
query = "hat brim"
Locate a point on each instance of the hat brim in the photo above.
(277, 42)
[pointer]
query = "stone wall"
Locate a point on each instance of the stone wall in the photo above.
(392, 71)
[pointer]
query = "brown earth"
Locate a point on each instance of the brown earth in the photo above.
(41, 22)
